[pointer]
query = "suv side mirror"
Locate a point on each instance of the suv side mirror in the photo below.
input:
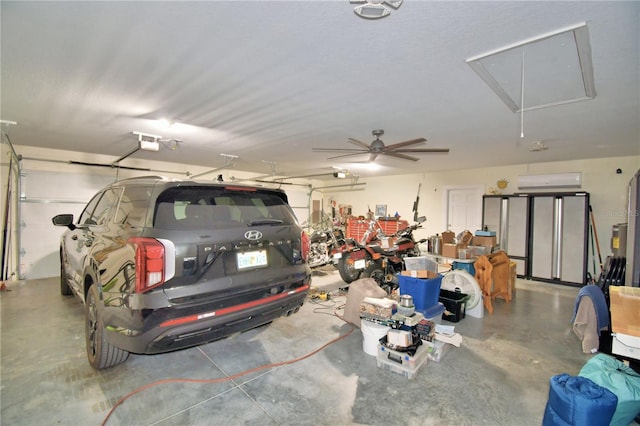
(64, 220)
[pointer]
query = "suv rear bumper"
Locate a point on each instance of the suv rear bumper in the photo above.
(173, 333)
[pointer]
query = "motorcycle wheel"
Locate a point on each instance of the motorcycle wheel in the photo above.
(346, 269)
(376, 272)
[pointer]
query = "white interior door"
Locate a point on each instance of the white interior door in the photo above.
(464, 208)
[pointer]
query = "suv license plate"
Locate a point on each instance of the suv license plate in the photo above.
(251, 259)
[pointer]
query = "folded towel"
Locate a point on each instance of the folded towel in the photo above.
(599, 303)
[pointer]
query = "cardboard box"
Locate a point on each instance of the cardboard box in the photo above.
(450, 250)
(448, 237)
(484, 241)
(625, 310)
(419, 273)
(466, 238)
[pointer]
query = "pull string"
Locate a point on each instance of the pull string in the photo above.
(522, 98)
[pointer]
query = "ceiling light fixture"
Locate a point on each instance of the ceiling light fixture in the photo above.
(537, 146)
(375, 9)
(166, 123)
(146, 142)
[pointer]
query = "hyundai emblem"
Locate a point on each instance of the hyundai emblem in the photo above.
(253, 235)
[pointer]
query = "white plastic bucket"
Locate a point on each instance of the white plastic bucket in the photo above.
(371, 334)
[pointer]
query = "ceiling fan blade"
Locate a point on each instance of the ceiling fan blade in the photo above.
(422, 150)
(359, 143)
(347, 155)
(372, 157)
(338, 150)
(398, 155)
(405, 143)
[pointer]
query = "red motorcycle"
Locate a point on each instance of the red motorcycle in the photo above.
(368, 258)
(354, 256)
(386, 266)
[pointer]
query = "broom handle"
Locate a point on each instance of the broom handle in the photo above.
(595, 232)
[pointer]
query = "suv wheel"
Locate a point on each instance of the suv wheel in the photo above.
(101, 353)
(65, 290)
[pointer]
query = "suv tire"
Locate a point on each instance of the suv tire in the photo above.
(101, 354)
(65, 290)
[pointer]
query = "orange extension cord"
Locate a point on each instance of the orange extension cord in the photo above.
(223, 379)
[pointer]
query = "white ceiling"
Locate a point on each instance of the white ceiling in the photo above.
(268, 80)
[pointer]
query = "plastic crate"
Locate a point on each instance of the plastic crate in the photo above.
(455, 305)
(420, 263)
(408, 370)
(436, 349)
(409, 357)
(425, 292)
(434, 313)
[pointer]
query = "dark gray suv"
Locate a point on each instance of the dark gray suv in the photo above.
(164, 264)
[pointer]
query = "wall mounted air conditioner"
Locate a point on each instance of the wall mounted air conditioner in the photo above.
(556, 180)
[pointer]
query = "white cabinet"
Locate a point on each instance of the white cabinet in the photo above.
(546, 234)
(559, 231)
(508, 216)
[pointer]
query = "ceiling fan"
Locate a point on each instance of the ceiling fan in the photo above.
(377, 147)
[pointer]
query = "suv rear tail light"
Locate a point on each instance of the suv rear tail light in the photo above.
(150, 270)
(306, 245)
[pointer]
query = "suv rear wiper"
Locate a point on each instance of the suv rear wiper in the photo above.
(265, 222)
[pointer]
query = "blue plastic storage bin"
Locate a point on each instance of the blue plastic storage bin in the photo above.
(425, 292)
(465, 266)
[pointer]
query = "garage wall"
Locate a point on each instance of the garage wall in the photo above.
(608, 191)
(607, 188)
(50, 185)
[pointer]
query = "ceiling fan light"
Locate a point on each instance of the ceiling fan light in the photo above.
(537, 146)
(371, 11)
(165, 123)
(375, 9)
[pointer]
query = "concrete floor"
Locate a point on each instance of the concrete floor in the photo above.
(499, 376)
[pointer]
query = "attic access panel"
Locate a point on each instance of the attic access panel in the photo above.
(548, 70)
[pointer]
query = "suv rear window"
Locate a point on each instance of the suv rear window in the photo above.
(217, 208)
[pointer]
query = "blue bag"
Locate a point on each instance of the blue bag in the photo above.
(620, 379)
(578, 401)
